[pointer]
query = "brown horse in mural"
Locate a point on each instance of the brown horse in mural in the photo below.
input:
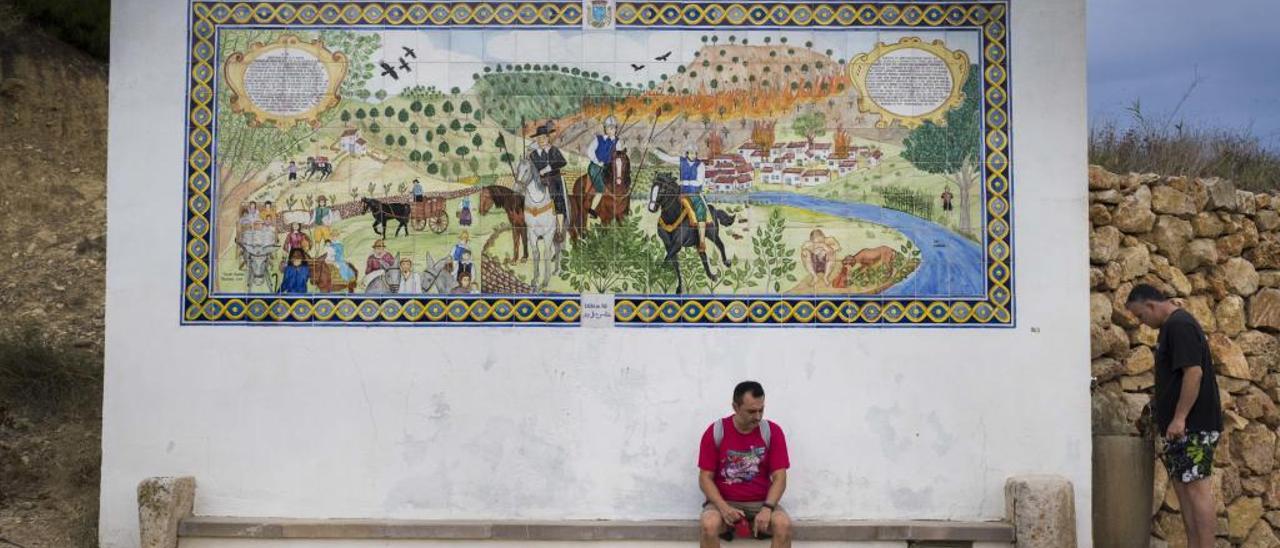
(512, 203)
(615, 202)
(323, 275)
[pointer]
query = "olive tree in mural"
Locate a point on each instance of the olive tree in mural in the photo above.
(952, 149)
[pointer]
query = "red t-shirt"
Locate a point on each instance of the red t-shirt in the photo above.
(742, 466)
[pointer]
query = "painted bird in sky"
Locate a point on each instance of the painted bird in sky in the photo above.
(404, 65)
(636, 67)
(663, 57)
(409, 52)
(388, 70)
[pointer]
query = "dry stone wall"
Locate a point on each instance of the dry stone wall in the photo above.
(1218, 250)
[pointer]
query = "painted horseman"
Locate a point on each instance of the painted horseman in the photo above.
(547, 162)
(693, 172)
(600, 152)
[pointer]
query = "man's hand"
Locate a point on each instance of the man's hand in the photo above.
(731, 515)
(544, 171)
(762, 521)
(1177, 429)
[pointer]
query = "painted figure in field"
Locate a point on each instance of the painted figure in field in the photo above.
(543, 224)
(410, 281)
(378, 262)
(599, 153)
(464, 211)
(268, 213)
(296, 273)
(249, 215)
(817, 255)
(547, 163)
(465, 287)
(322, 218)
(296, 239)
(946, 198)
(418, 194)
(462, 247)
(693, 172)
(293, 170)
(335, 255)
(677, 230)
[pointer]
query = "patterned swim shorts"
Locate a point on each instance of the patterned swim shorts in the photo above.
(1190, 457)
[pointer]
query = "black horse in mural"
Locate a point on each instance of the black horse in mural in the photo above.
(677, 231)
(384, 211)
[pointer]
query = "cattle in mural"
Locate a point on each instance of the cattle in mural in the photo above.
(745, 163)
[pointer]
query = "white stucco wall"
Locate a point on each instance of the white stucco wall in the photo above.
(552, 423)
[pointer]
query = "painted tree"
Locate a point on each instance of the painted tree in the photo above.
(401, 141)
(346, 116)
(952, 149)
(389, 112)
(416, 107)
(403, 116)
(476, 141)
(360, 114)
(447, 107)
(465, 107)
(811, 125)
(429, 110)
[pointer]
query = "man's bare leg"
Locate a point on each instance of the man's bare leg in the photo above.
(1188, 521)
(712, 526)
(1198, 512)
(780, 528)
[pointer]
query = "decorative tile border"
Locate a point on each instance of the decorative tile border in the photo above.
(201, 306)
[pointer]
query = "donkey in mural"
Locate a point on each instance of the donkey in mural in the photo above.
(678, 231)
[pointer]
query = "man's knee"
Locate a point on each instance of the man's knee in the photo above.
(781, 525)
(711, 522)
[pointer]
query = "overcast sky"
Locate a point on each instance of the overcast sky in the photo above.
(1153, 50)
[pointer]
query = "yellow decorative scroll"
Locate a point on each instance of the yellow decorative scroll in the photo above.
(286, 82)
(910, 82)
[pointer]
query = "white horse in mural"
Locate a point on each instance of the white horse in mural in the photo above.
(540, 218)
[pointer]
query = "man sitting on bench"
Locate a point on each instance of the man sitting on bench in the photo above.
(743, 471)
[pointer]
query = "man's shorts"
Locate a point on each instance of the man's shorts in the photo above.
(748, 508)
(1190, 457)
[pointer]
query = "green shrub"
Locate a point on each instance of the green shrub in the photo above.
(38, 375)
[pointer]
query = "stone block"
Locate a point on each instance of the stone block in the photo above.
(162, 503)
(1042, 511)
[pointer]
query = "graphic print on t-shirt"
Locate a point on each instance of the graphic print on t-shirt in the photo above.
(742, 466)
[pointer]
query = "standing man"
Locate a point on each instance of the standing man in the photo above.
(946, 198)
(1188, 412)
(548, 161)
(293, 171)
(418, 194)
(600, 153)
(743, 471)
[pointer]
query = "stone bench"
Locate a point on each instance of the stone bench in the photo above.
(682, 531)
(1040, 509)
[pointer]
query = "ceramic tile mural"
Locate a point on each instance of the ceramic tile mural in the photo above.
(804, 163)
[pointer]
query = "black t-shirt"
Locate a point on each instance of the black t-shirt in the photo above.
(1183, 344)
